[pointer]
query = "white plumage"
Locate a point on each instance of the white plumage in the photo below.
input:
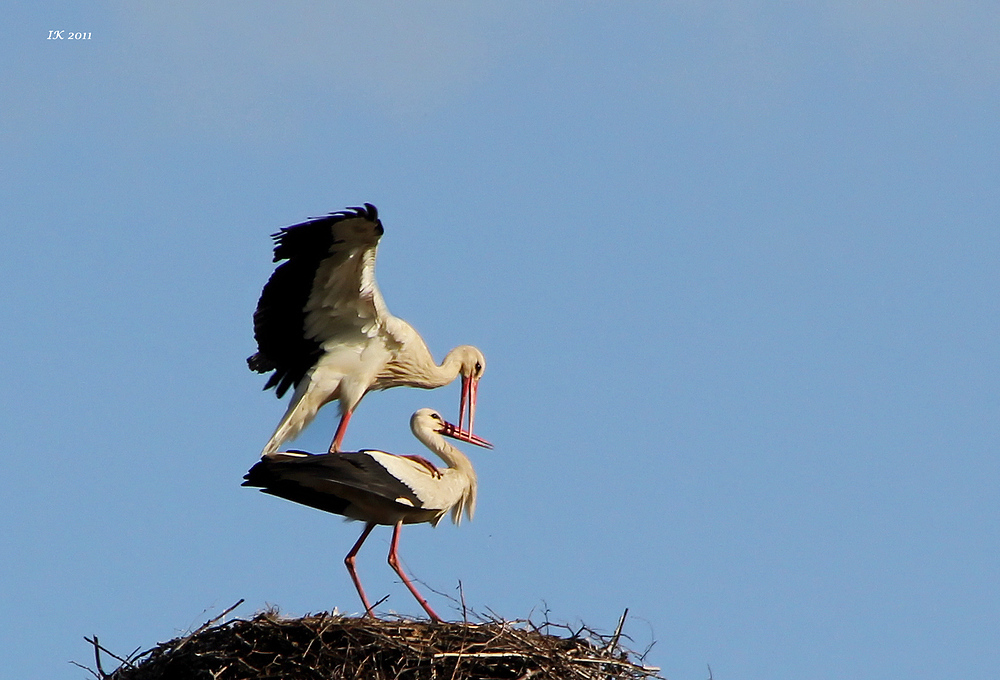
(376, 487)
(322, 325)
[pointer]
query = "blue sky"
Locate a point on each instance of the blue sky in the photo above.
(734, 267)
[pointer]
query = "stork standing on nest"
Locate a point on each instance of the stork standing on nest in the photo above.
(321, 325)
(376, 487)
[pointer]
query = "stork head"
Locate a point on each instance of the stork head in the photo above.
(472, 365)
(427, 420)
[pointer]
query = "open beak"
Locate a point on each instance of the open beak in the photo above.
(470, 388)
(450, 430)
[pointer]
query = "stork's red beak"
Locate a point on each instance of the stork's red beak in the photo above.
(470, 388)
(450, 430)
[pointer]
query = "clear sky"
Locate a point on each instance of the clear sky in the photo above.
(734, 267)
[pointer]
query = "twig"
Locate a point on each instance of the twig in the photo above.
(97, 656)
(97, 646)
(89, 670)
(481, 655)
(377, 603)
(208, 624)
(461, 595)
(618, 633)
(614, 662)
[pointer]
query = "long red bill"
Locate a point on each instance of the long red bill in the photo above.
(470, 391)
(450, 430)
(463, 402)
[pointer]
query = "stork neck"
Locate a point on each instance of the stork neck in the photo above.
(445, 451)
(417, 368)
(459, 466)
(448, 370)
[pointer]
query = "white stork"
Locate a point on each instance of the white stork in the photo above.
(321, 325)
(376, 487)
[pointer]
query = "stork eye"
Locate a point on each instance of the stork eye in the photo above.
(479, 368)
(436, 417)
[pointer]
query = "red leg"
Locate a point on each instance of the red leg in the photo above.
(349, 561)
(341, 429)
(394, 563)
(423, 461)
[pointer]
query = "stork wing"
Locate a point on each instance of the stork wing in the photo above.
(325, 287)
(319, 480)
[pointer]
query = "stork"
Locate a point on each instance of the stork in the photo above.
(376, 487)
(322, 325)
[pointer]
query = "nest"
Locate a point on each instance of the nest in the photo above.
(334, 647)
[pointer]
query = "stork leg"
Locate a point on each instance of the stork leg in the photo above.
(349, 561)
(394, 563)
(426, 463)
(341, 429)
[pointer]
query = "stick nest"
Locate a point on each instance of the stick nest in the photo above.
(334, 647)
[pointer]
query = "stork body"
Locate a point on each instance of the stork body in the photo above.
(376, 487)
(322, 326)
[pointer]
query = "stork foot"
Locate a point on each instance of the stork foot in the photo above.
(426, 463)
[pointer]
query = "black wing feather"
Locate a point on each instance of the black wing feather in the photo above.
(305, 479)
(279, 321)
